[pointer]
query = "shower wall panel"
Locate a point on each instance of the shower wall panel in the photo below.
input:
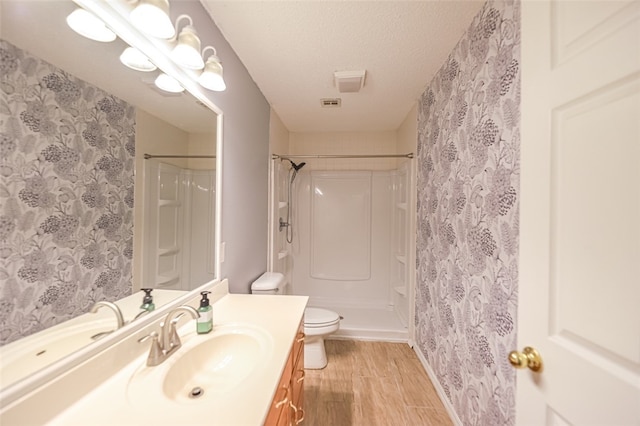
(201, 237)
(335, 277)
(340, 226)
(179, 227)
(163, 254)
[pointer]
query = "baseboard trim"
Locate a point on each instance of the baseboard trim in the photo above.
(372, 335)
(368, 337)
(436, 384)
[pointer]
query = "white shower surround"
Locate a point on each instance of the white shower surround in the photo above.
(368, 303)
(373, 292)
(340, 231)
(180, 235)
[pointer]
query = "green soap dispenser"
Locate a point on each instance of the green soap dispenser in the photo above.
(147, 300)
(205, 322)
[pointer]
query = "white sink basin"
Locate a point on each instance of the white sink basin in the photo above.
(28, 355)
(206, 366)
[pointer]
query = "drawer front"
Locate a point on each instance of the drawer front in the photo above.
(297, 379)
(287, 406)
(280, 406)
(298, 343)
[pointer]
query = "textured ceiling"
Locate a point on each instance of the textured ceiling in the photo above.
(292, 48)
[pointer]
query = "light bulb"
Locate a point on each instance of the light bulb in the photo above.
(187, 51)
(89, 25)
(152, 17)
(168, 84)
(136, 60)
(211, 78)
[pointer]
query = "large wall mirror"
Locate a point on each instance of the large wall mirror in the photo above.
(107, 186)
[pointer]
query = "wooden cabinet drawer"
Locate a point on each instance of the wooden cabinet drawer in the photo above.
(297, 378)
(287, 407)
(279, 411)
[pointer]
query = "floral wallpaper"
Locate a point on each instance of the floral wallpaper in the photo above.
(66, 195)
(467, 242)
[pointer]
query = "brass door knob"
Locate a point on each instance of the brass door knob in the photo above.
(528, 358)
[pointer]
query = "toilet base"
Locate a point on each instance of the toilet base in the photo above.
(315, 357)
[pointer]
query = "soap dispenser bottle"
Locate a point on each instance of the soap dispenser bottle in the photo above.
(205, 322)
(147, 300)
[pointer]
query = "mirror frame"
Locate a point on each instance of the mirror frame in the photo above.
(115, 15)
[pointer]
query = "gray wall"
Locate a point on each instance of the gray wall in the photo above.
(245, 160)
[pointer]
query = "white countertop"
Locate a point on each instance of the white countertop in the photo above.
(110, 403)
(31, 353)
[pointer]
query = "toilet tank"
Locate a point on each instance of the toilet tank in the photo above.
(269, 283)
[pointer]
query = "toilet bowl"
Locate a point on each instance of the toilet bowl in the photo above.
(318, 323)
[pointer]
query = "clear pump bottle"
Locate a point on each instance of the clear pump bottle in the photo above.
(205, 322)
(147, 300)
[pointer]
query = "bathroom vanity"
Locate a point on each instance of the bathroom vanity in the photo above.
(287, 407)
(247, 371)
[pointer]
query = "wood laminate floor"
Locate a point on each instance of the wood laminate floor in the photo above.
(371, 384)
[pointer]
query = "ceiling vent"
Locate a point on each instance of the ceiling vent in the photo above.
(349, 81)
(331, 102)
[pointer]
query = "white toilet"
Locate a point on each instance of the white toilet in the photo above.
(318, 323)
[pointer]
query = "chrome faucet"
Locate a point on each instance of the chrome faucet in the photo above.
(163, 346)
(116, 310)
(141, 313)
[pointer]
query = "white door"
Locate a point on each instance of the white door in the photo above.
(580, 212)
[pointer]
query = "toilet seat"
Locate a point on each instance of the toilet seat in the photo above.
(318, 323)
(318, 318)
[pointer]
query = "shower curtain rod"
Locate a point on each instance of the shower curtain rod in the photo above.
(149, 156)
(286, 157)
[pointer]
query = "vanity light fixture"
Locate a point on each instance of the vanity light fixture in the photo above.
(89, 25)
(168, 84)
(152, 17)
(211, 78)
(187, 51)
(136, 60)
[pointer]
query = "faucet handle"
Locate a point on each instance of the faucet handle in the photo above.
(174, 338)
(152, 335)
(177, 318)
(155, 352)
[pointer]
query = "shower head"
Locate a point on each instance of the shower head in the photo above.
(295, 166)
